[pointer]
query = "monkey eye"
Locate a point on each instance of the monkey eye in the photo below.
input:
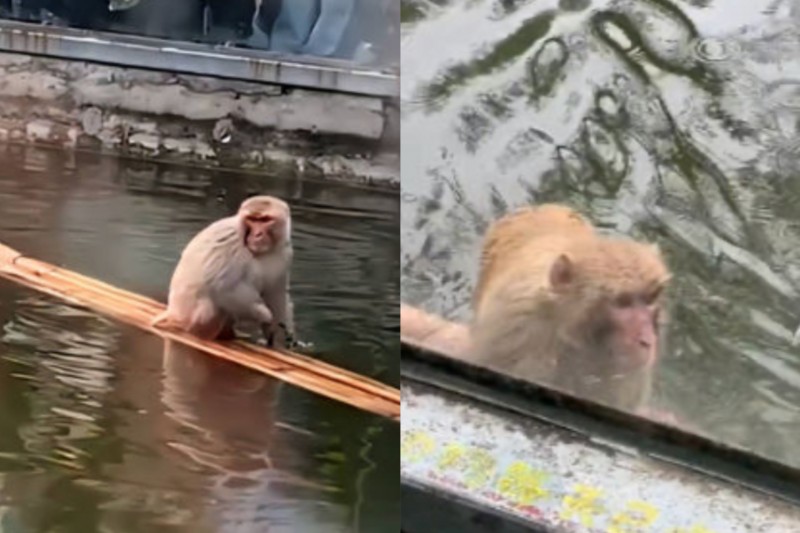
(624, 300)
(651, 297)
(260, 218)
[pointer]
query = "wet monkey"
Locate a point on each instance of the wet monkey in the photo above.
(235, 269)
(559, 303)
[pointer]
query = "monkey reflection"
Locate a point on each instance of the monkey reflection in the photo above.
(235, 269)
(229, 408)
(225, 423)
(558, 302)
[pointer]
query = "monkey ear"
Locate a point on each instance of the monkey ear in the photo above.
(561, 272)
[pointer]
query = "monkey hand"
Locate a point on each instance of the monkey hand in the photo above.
(286, 340)
(663, 417)
(288, 335)
(271, 335)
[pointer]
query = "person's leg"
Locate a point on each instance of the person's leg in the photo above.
(293, 25)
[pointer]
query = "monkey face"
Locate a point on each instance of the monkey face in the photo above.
(631, 331)
(265, 221)
(610, 295)
(258, 233)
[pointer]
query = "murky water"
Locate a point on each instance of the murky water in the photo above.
(104, 428)
(671, 120)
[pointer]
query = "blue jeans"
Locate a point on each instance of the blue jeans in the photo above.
(313, 27)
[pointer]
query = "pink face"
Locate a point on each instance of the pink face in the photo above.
(634, 331)
(259, 232)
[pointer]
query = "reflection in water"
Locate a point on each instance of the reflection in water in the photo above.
(224, 426)
(669, 121)
(106, 428)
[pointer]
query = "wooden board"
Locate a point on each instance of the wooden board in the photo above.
(305, 372)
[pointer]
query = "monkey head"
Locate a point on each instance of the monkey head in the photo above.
(265, 223)
(608, 296)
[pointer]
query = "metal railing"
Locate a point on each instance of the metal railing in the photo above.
(486, 452)
(193, 58)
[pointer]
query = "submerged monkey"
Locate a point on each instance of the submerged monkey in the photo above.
(559, 303)
(237, 268)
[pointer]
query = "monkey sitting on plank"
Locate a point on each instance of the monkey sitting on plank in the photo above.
(237, 268)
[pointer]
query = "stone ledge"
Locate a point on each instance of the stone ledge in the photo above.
(200, 120)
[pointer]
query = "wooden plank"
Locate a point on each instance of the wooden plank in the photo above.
(305, 372)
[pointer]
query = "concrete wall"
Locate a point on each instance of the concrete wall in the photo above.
(205, 121)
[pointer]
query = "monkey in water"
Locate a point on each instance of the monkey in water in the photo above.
(557, 302)
(235, 269)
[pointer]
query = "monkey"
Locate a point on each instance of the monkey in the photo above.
(558, 302)
(237, 268)
(519, 227)
(432, 332)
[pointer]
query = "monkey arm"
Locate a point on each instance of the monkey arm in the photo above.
(277, 299)
(433, 332)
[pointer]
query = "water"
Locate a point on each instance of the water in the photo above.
(103, 428)
(673, 121)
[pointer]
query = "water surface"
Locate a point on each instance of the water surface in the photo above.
(105, 428)
(674, 121)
